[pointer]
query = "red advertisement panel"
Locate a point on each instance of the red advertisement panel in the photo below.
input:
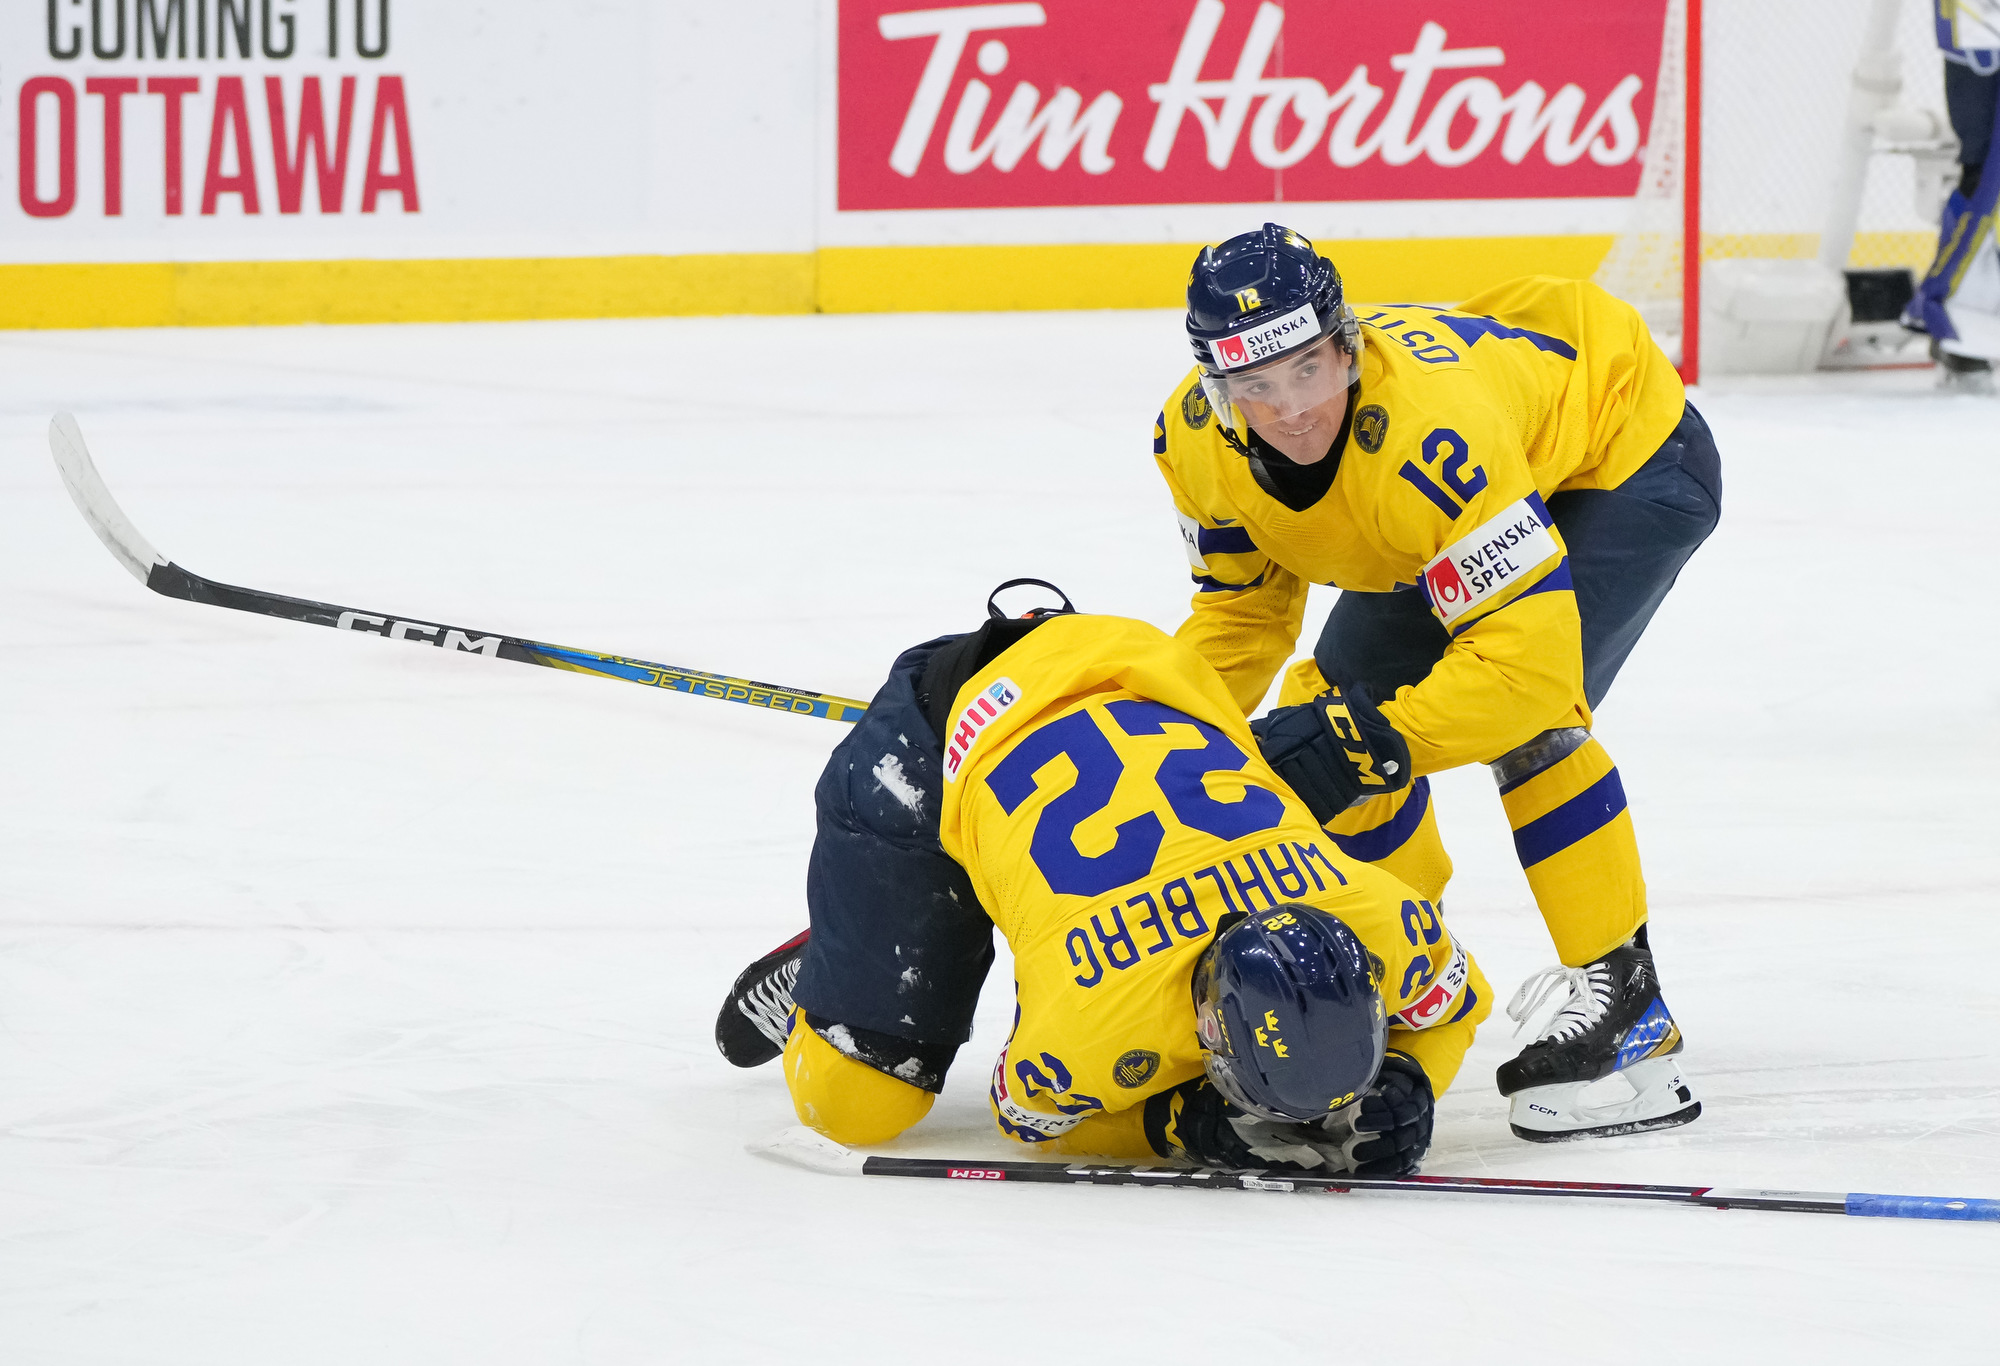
(1234, 101)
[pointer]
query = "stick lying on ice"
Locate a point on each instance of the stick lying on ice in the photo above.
(163, 576)
(803, 1148)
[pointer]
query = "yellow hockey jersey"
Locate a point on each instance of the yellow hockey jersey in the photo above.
(1106, 798)
(1465, 420)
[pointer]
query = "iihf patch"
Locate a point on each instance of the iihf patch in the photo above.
(1194, 409)
(1135, 1068)
(1371, 427)
(979, 713)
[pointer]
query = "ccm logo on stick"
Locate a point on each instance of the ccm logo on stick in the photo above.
(977, 1174)
(444, 637)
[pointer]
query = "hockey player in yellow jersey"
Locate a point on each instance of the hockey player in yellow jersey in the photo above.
(1504, 491)
(1200, 973)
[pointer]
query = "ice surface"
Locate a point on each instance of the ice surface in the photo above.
(355, 998)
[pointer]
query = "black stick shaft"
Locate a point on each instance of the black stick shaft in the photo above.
(1710, 1197)
(175, 582)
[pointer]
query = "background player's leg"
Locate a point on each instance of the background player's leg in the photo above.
(1627, 545)
(1945, 305)
(847, 1100)
(1575, 841)
(1562, 793)
(1602, 1065)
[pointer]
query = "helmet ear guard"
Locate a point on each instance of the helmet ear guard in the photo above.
(1289, 1013)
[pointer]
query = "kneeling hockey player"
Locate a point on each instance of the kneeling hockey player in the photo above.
(1505, 491)
(1200, 973)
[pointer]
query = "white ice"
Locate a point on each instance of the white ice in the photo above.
(355, 999)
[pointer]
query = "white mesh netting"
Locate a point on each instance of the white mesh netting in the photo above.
(1775, 90)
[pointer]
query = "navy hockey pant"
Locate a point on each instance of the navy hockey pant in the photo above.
(1626, 548)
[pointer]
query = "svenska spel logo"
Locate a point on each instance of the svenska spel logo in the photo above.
(1230, 352)
(1447, 584)
(1427, 1010)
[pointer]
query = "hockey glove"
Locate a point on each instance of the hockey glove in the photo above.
(1387, 1131)
(1195, 1123)
(1334, 750)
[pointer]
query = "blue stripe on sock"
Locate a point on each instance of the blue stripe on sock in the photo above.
(1584, 814)
(1371, 846)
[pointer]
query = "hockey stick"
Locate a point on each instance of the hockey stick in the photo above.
(163, 576)
(803, 1148)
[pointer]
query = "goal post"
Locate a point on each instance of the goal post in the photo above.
(1797, 158)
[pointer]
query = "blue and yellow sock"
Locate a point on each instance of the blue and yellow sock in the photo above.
(1574, 837)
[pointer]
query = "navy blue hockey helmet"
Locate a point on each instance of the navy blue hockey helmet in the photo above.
(1261, 301)
(1289, 1014)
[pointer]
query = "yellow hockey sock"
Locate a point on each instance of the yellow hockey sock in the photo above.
(1575, 841)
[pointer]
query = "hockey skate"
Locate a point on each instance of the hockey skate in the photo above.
(1963, 374)
(755, 1019)
(1603, 1064)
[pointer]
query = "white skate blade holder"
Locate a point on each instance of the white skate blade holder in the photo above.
(1646, 1095)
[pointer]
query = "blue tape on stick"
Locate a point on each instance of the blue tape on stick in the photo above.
(1921, 1207)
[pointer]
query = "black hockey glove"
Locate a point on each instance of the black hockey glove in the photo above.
(1391, 1123)
(1334, 750)
(1193, 1122)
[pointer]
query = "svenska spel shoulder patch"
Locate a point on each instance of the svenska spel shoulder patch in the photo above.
(1191, 538)
(981, 712)
(1430, 1008)
(1030, 1126)
(1500, 551)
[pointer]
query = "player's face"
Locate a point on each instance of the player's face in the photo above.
(1297, 404)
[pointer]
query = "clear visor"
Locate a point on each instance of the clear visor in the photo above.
(1288, 386)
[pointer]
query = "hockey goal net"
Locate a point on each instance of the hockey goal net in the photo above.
(1810, 121)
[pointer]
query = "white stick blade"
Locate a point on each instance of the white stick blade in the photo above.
(94, 501)
(801, 1147)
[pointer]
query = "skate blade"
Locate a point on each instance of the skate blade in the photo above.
(1636, 1126)
(1647, 1095)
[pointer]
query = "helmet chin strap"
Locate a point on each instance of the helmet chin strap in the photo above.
(1242, 447)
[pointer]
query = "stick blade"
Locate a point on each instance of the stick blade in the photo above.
(802, 1147)
(94, 500)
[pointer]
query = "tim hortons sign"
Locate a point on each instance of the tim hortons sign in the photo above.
(1241, 101)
